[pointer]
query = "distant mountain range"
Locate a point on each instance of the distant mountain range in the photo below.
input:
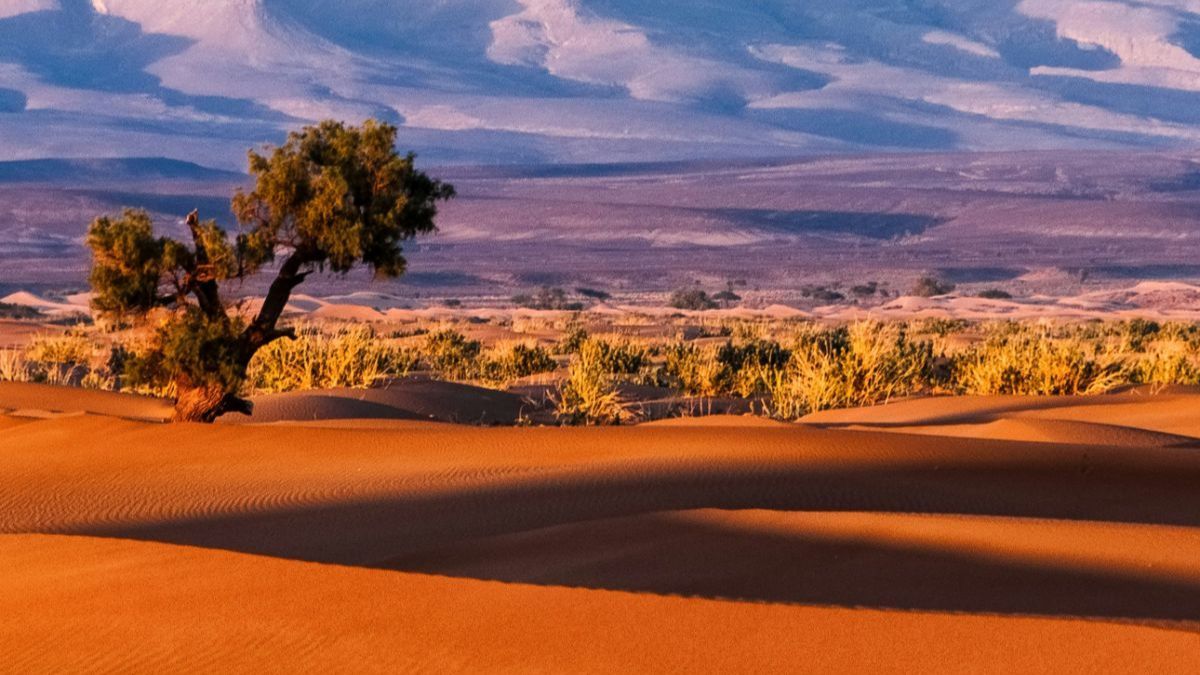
(547, 81)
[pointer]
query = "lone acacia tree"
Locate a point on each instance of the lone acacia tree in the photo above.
(331, 197)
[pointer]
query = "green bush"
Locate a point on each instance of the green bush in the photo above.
(692, 299)
(452, 355)
(928, 287)
(505, 364)
(864, 364)
(589, 395)
(353, 357)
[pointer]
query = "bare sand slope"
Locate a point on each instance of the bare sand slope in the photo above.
(83, 604)
(1133, 418)
(410, 399)
(25, 399)
(711, 546)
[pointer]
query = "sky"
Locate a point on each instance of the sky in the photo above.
(595, 81)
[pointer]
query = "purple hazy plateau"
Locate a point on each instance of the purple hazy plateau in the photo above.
(1030, 222)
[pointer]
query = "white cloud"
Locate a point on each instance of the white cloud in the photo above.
(941, 37)
(558, 36)
(10, 8)
(1138, 33)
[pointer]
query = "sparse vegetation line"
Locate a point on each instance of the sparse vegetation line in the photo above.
(782, 369)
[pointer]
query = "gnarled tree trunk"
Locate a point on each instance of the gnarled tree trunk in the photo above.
(206, 403)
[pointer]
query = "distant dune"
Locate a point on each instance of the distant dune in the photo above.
(1177, 301)
(983, 534)
(105, 171)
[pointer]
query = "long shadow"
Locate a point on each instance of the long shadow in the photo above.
(669, 554)
(492, 532)
(399, 525)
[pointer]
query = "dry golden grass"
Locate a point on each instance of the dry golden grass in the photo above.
(589, 394)
(350, 357)
(785, 369)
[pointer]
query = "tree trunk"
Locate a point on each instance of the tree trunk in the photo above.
(205, 404)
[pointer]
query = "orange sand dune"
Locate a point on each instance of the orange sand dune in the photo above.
(694, 546)
(411, 399)
(78, 603)
(24, 399)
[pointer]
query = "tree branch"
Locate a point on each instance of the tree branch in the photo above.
(262, 331)
(200, 283)
(290, 276)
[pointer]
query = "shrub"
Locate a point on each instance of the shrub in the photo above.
(1167, 361)
(618, 356)
(594, 294)
(14, 367)
(11, 311)
(865, 290)
(67, 349)
(515, 361)
(452, 355)
(694, 371)
(864, 364)
(353, 358)
(589, 395)
(692, 299)
(994, 294)
(941, 327)
(928, 287)
(750, 366)
(66, 359)
(547, 299)
(1033, 363)
(1137, 332)
(821, 294)
(570, 343)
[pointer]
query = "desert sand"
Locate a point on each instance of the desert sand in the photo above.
(984, 534)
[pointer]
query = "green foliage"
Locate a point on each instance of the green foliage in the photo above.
(726, 297)
(352, 357)
(127, 263)
(695, 371)
(821, 294)
(620, 356)
(864, 364)
(11, 311)
(940, 327)
(928, 287)
(749, 366)
(572, 341)
(1032, 362)
(516, 361)
(1138, 332)
(865, 290)
(554, 299)
(692, 299)
(994, 294)
(189, 348)
(594, 294)
(452, 355)
(338, 196)
(589, 395)
(332, 196)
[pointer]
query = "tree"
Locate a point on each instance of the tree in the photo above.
(928, 287)
(691, 299)
(331, 197)
(727, 296)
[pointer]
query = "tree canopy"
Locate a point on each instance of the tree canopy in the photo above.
(331, 197)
